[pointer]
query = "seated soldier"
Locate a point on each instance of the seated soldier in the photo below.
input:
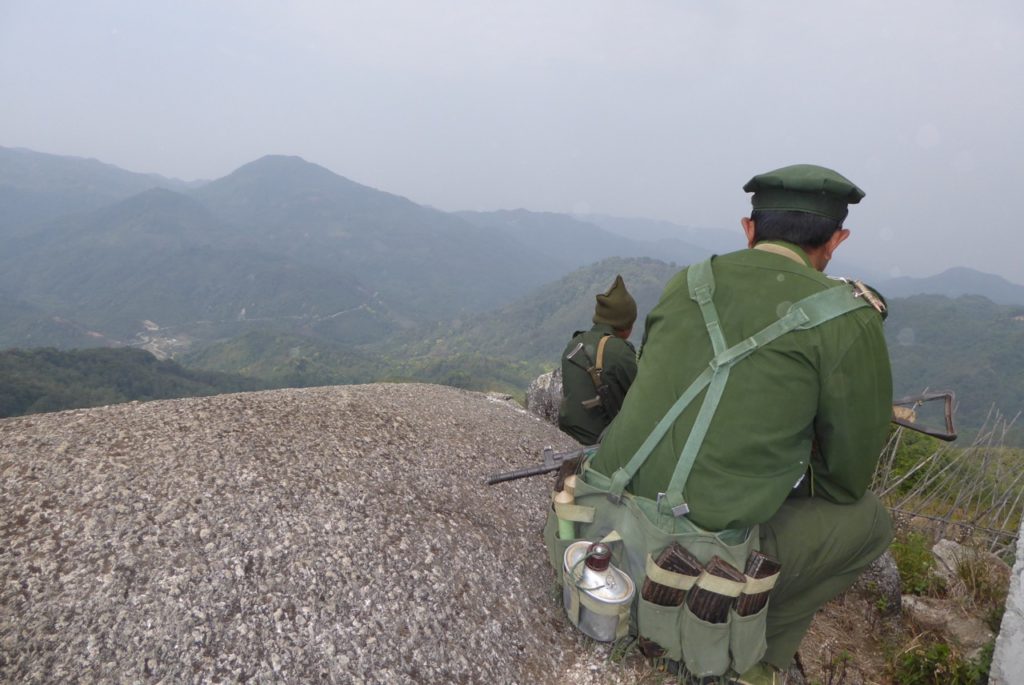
(598, 366)
(801, 422)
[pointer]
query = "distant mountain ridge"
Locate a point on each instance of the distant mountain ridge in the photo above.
(97, 255)
(310, 214)
(577, 242)
(713, 240)
(280, 241)
(38, 187)
(956, 282)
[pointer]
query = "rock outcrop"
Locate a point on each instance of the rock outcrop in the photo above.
(1008, 659)
(941, 617)
(544, 396)
(881, 581)
(337, 534)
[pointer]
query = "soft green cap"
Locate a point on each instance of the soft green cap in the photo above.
(804, 188)
(616, 307)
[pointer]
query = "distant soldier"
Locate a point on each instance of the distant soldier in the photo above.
(598, 366)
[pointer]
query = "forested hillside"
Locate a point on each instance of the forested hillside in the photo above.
(536, 327)
(969, 345)
(46, 379)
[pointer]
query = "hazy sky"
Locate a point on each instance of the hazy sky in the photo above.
(656, 109)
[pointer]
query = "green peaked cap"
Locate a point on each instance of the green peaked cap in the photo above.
(616, 306)
(804, 188)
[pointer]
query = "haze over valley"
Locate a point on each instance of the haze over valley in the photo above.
(287, 274)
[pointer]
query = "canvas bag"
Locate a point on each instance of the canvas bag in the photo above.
(639, 528)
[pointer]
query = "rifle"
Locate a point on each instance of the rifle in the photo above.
(904, 413)
(552, 461)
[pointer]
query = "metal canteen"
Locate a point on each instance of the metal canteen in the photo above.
(600, 582)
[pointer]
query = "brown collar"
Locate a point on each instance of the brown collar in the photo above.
(781, 250)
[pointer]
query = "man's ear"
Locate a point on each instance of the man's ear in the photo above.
(837, 238)
(750, 229)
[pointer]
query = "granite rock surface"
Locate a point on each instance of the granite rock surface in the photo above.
(337, 534)
(544, 396)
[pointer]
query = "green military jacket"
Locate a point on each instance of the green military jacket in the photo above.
(814, 404)
(585, 425)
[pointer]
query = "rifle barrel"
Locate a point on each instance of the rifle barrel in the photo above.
(521, 473)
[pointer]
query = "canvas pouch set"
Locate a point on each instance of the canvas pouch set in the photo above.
(636, 540)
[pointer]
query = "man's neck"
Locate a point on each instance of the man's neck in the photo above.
(819, 257)
(815, 257)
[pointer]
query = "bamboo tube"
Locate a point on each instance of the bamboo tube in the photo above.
(566, 528)
(570, 485)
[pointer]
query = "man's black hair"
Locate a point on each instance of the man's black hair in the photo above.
(799, 228)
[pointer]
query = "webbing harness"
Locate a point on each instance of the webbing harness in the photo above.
(809, 312)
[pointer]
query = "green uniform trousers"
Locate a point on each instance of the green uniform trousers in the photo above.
(823, 547)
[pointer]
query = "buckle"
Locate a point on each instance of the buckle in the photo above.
(680, 510)
(702, 294)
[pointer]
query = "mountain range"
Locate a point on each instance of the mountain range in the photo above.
(286, 271)
(99, 255)
(956, 282)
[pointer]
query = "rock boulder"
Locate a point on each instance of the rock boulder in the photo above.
(545, 395)
(339, 535)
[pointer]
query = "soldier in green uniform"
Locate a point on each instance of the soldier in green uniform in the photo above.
(800, 424)
(598, 366)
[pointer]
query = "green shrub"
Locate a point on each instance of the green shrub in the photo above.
(940, 664)
(916, 563)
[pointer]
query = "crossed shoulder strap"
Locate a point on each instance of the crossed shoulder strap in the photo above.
(809, 312)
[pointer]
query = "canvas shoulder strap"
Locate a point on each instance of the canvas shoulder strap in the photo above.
(809, 312)
(600, 353)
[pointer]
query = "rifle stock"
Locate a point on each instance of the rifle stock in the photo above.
(904, 413)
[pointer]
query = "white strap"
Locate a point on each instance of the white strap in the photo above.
(755, 586)
(662, 576)
(720, 586)
(574, 512)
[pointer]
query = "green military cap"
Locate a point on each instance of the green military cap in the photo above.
(804, 188)
(616, 307)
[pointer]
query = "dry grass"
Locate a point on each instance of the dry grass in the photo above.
(973, 495)
(846, 644)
